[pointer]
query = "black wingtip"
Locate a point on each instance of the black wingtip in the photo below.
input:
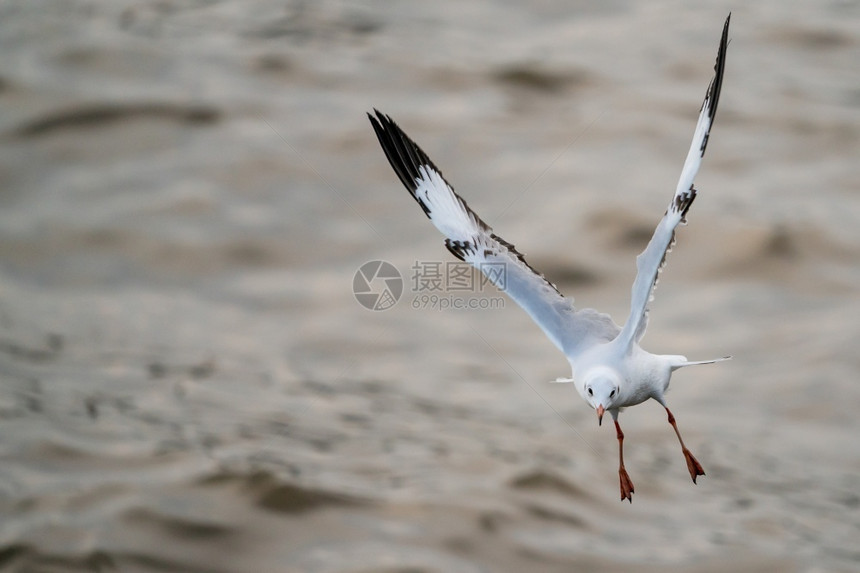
(719, 68)
(712, 97)
(404, 155)
(380, 118)
(379, 121)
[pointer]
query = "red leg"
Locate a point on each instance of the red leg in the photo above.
(693, 465)
(626, 484)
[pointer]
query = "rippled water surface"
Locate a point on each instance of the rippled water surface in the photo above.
(187, 383)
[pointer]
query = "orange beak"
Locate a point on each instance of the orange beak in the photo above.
(600, 411)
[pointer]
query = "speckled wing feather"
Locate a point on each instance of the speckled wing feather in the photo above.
(470, 239)
(651, 261)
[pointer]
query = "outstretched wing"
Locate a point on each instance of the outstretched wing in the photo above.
(653, 258)
(470, 239)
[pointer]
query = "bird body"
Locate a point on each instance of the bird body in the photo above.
(618, 378)
(609, 368)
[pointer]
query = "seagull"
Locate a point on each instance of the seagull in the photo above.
(608, 367)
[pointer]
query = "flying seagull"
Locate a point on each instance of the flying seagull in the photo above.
(609, 368)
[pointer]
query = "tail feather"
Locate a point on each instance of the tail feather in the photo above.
(684, 362)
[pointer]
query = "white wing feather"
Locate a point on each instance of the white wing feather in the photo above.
(651, 261)
(473, 241)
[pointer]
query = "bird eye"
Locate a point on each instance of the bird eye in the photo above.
(590, 392)
(611, 394)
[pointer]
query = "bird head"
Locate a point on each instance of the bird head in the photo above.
(601, 390)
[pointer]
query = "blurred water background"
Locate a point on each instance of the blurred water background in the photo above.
(188, 384)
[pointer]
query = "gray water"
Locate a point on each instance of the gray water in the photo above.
(187, 382)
